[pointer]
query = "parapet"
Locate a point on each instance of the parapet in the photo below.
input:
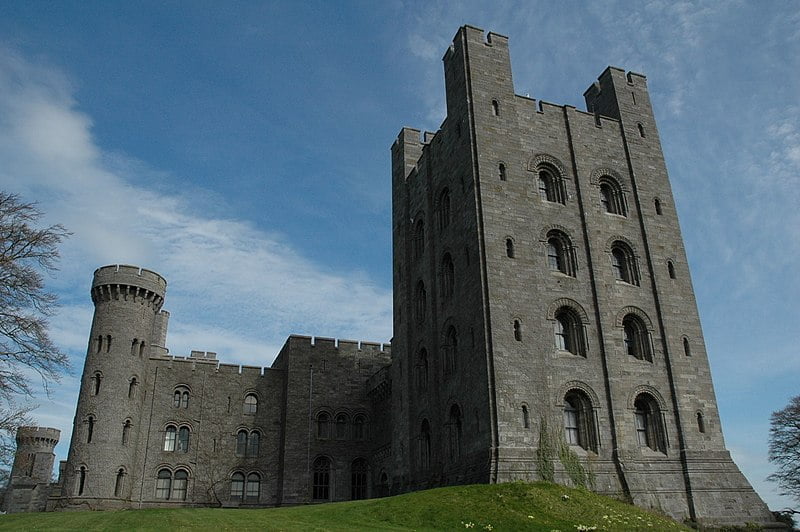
(343, 347)
(124, 274)
(41, 437)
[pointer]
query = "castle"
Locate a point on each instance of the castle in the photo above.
(545, 326)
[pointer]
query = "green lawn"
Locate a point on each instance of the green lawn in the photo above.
(516, 506)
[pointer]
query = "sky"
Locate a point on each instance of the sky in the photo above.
(241, 150)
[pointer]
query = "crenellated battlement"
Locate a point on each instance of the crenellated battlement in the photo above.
(340, 346)
(38, 437)
(125, 274)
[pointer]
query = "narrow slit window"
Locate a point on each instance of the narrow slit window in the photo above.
(509, 248)
(517, 331)
(671, 269)
(641, 129)
(495, 108)
(501, 169)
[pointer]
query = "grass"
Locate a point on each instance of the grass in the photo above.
(500, 507)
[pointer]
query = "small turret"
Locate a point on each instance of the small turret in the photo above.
(29, 485)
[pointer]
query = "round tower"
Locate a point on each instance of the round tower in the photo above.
(127, 319)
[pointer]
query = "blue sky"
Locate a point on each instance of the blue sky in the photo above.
(241, 149)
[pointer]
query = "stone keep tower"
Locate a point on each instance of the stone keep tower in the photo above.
(545, 322)
(29, 485)
(128, 325)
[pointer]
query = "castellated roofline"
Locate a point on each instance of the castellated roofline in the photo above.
(126, 274)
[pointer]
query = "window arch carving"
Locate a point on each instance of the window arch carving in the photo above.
(560, 252)
(180, 397)
(612, 197)
(571, 303)
(250, 404)
(323, 425)
(342, 423)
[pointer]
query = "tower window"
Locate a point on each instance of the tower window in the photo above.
(649, 426)
(341, 427)
(560, 255)
(419, 239)
(623, 263)
(108, 343)
(126, 432)
(448, 277)
(170, 436)
(526, 418)
(424, 442)
(89, 429)
(687, 350)
(253, 488)
(579, 427)
(671, 269)
(81, 480)
(96, 378)
(551, 186)
(99, 343)
(359, 427)
(163, 484)
(568, 332)
(422, 370)
(180, 398)
(517, 331)
(450, 349)
(509, 248)
(132, 388)
(183, 440)
(420, 302)
(701, 424)
(501, 170)
(241, 443)
(641, 129)
(495, 108)
(611, 197)
(657, 204)
(134, 347)
(636, 339)
(443, 209)
(323, 426)
(118, 483)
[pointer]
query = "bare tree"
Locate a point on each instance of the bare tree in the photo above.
(26, 350)
(784, 447)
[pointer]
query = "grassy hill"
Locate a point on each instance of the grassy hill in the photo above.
(516, 506)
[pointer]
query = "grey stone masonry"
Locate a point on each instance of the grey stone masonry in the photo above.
(545, 327)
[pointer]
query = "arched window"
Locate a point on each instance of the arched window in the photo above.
(425, 445)
(611, 197)
(419, 239)
(671, 269)
(657, 205)
(495, 108)
(250, 404)
(517, 331)
(99, 344)
(118, 483)
(454, 429)
(501, 171)
(237, 486)
(450, 350)
(141, 348)
(254, 444)
(649, 426)
(89, 429)
(126, 432)
(253, 490)
(359, 424)
(623, 262)
(358, 479)
(341, 427)
(637, 341)
(108, 343)
(163, 484)
(448, 276)
(134, 347)
(321, 486)
(509, 248)
(568, 332)
(323, 426)
(443, 209)
(701, 424)
(241, 443)
(96, 378)
(420, 302)
(526, 418)
(422, 370)
(180, 485)
(183, 440)
(81, 480)
(170, 437)
(132, 388)
(579, 427)
(640, 127)
(180, 398)
(560, 256)
(687, 350)
(550, 185)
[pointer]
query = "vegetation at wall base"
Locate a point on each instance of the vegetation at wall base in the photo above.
(499, 507)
